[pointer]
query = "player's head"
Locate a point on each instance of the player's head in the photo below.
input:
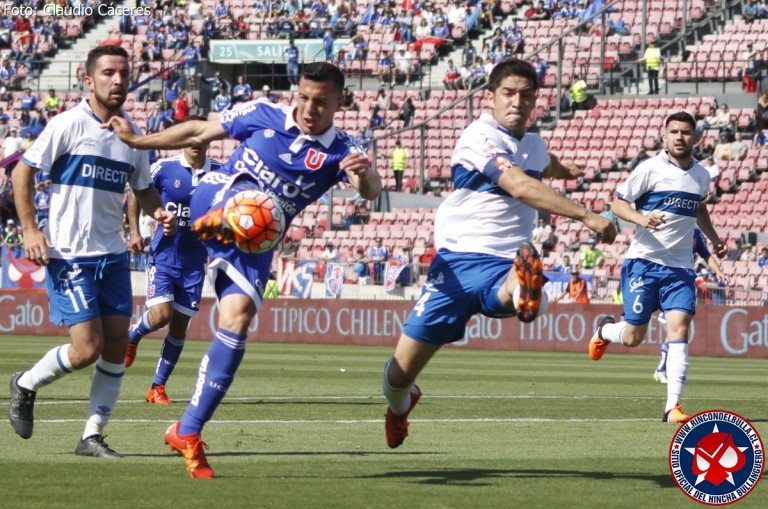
(320, 97)
(512, 88)
(108, 76)
(680, 135)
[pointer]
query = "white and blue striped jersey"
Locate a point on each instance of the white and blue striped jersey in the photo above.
(659, 186)
(479, 216)
(175, 181)
(89, 169)
(294, 168)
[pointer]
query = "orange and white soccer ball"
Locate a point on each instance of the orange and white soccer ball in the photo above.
(258, 223)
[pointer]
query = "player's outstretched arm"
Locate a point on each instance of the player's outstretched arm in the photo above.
(624, 210)
(186, 134)
(136, 241)
(152, 205)
(704, 223)
(362, 177)
(559, 170)
(36, 244)
(540, 196)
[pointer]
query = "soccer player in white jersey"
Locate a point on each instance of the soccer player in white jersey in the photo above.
(485, 261)
(294, 154)
(176, 269)
(88, 279)
(668, 192)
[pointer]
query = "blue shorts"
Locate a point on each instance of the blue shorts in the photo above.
(230, 270)
(458, 286)
(183, 287)
(649, 286)
(85, 288)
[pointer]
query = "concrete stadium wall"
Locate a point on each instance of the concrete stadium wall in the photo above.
(718, 331)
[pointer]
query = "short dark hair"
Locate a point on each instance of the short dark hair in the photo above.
(681, 116)
(512, 67)
(98, 52)
(323, 71)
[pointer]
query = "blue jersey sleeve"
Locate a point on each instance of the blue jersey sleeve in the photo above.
(241, 120)
(700, 245)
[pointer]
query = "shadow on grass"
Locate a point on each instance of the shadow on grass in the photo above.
(235, 454)
(302, 402)
(478, 477)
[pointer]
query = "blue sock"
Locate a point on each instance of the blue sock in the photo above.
(217, 370)
(169, 356)
(142, 329)
(663, 359)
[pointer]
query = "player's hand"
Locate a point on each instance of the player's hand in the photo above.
(653, 222)
(723, 278)
(604, 227)
(167, 220)
(357, 164)
(721, 250)
(36, 246)
(136, 243)
(122, 129)
(574, 170)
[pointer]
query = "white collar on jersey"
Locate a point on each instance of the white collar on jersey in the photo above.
(488, 119)
(86, 106)
(664, 155)
(325, 139)
(206, 166)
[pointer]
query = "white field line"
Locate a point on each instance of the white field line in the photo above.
(299, 399)
(356, 421)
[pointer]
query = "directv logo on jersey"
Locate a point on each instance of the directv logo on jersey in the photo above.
(681, 203)
(104, 174)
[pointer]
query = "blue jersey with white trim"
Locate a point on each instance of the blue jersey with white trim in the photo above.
(659, 186)
(175, 180)
(294, 168)
(479, 216)
(89, 168)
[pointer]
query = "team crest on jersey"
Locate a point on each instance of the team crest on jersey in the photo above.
(177, 183)
(716, 458)
(314, 159)
(269, 133)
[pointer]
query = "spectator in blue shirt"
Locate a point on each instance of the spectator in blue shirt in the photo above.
(328, 45)
(154, 120)
(242, 91)
(762, 260)
(749, 11)
(385, 67)
(28, 100)
(222, 101)
(292, 64)
(440, 30)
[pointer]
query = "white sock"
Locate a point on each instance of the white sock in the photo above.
(399, 400)
(677, 372)
(105, 389)
(54, 365)
(612, 332)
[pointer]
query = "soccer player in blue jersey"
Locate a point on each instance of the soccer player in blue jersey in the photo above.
(88, 279)
(668, 192)
(294, 154)
(176, 271)
(699, 249)
(485, 262)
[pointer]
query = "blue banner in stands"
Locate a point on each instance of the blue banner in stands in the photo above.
(303, 277)
(20, 273)
(334, 279)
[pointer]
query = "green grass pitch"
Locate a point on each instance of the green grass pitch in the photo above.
(302, 427)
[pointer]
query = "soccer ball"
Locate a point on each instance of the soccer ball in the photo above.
(257, 222)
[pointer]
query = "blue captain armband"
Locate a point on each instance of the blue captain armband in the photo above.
(497, 165)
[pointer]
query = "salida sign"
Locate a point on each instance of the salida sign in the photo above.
(717, 331)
